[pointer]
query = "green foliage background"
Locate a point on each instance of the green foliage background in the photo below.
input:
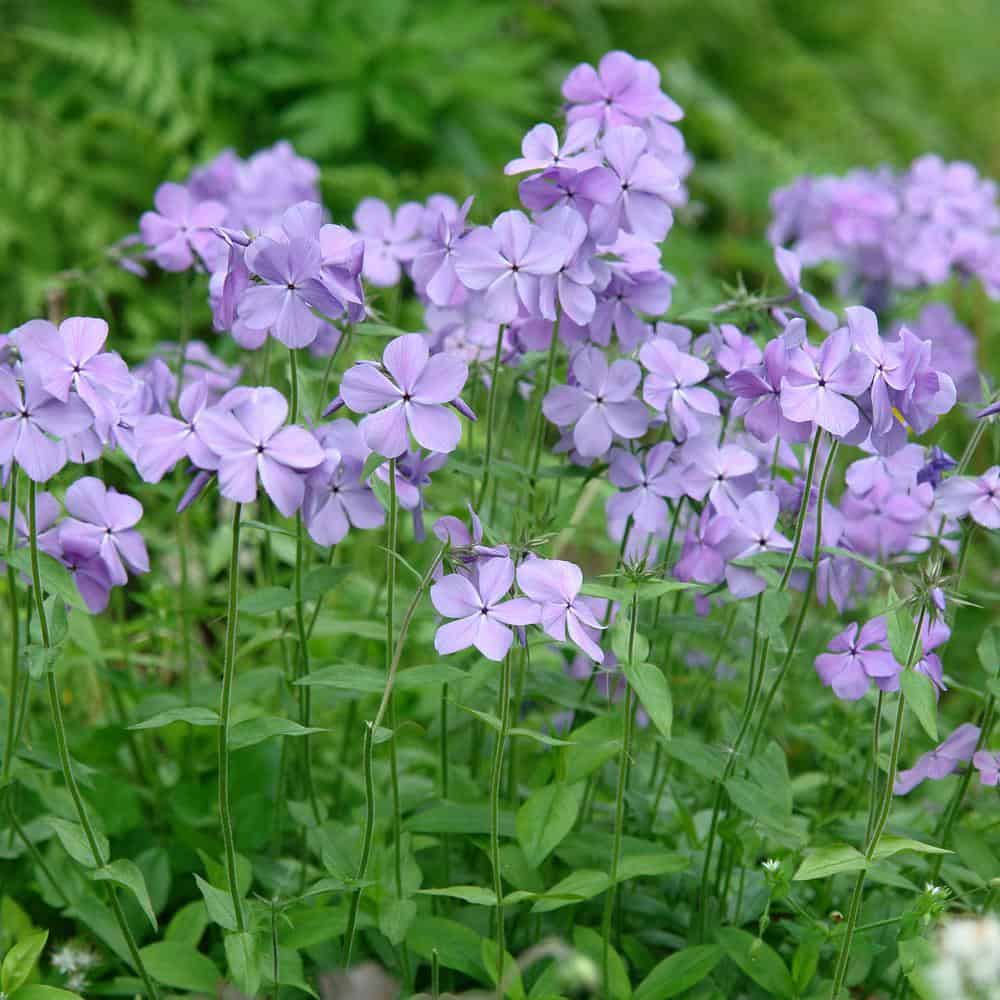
(100, 102)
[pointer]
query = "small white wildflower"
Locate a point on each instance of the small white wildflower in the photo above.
(771, 865)
(64, 959)
(935, 890)
(76, 982)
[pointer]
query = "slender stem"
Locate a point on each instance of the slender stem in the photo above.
(35, 853)
(445, 839)
(503, 711)
(876, 752)
(538, 421)
(881, 819)
(619, 831)
(491, 418)
(293, 386)
(15, 643)
(366, 753)
(225, 708)
(182, 606)
(800, 521)
(62, 745)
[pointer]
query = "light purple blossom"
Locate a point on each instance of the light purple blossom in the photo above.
(162, 441)
(644, 482)
(672, 387)
(180, 230)
(941, 761)
(390, 240)
(722, 475)
(753, 531)
(987, 763)
(540, 149)
(600, 405)
(481, 609)
(102, 523)
(554, 585)
(407, 394)
(251, 441)
(34, 423)
(505, 262)
(702, 559)
(975, 496)
(856, 657)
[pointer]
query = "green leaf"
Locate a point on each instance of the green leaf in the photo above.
(620, 642)
(646, 865)
(706, 761)
(806, 959)
(180, 966)
(36, 991)
(547, 816)
(915, 956)
(451, 817)
(653, 692)
(593, 744)
(241, 955)
(758, 960)
(919, 692)
(457, 946)
(901, 628)
(579, 885)
(774, 610)
(75, 841)
(321, 580)
(826, 861)
(396, 917)
(369, 680)
(271, 529)
(56, 579)
(192, 715)
(511, 971)
(128, 875)
(253, 731)
(219, 904)
(679, 972)
(19, 962)
(475, 894)
(888, 846)
(188, 924)
(537, 737)
(588, 942)
(988, 651)
(267, 600)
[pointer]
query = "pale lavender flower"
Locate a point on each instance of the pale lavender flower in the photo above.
(390, 241)
(250, 441)
(856, 657)
(482, 610)
(600, 405)
(753, 531)
(540, 149)
(975, 496)
(433, 267)
(722, 475)
(162, 441)
(34, 423)
(702, 559)
(987, 763)
(180, 230)
(941, 761)
(102, 523)
(571, 285)
(644, 481)
(505, 262)
(672, 387)
(554, 585)
(407, 393)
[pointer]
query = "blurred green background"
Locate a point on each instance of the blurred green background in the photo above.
(101, 101)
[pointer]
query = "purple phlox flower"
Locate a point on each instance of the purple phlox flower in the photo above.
(702, 559)
(70, 358)
(47, 511)
(245, 430)
(199, 483)
(817, 389)
(938, 462)
(791, 270)
(102, 523)
(180, 230)
(644, 186)
(621, 303)
(335, 497)
(413, 475)
(731, 348)
(941, 761)
(540, 148)
(343, 255)
(758, 390)
(753, 531)
(885, 519)
(390, 240)
(600, 405)
(902, 468)
(930, 393)
(162, 441)
(225, 289)
(154, 387)
(953, 348)
(89, 571)
(933, 633)
(722, 475)
(672, 386)
(465, 544)
(622, 90)
(407, 393)
(571, 285)
(505, 262)
(679, 335)
(856, 657)
(559, 187)
(644, 481)
(554, 585)
(33, 424)
(482, 611)
(977, 496)
(987, 763)
(201, 365)
(433, 267)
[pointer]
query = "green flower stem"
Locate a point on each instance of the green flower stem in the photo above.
(445, 839)
(62, 745)
(366, 755)
(619, 831)
(752, 685)
(225, 710)
(491, 412)
(538, 419)
(15, 639)
(503, 711)
(881, 814)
